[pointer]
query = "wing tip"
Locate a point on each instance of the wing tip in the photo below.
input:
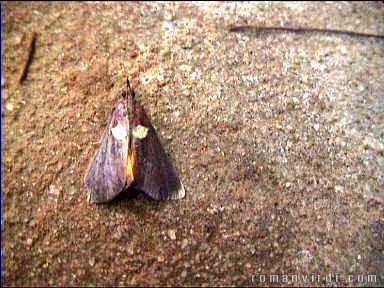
(179, 192)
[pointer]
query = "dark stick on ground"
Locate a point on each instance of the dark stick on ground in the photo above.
(31, 50)
(264, 30)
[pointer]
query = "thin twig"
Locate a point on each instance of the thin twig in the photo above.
(261, 30)
(31, 50)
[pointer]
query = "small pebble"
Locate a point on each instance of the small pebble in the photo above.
(9, 106)
(160, 258)
(184, 244)
(172, 234)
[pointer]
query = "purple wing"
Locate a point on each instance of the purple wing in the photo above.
(154, 172)
(107, 174)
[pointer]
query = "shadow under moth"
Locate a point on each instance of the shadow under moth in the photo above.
(131, 156)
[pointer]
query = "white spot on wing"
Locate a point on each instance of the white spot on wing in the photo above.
(140, 132)
(119, 132)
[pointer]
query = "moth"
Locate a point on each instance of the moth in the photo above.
(131, 156)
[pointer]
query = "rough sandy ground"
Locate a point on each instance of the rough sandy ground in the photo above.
(278, 140)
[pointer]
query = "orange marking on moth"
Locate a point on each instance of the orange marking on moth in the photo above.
(130, 164)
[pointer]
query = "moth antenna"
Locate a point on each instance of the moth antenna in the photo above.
(130, 90)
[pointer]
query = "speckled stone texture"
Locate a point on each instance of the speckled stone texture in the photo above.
(278, 140)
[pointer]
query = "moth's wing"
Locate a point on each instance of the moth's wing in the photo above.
(107, 174)
(153, 171)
